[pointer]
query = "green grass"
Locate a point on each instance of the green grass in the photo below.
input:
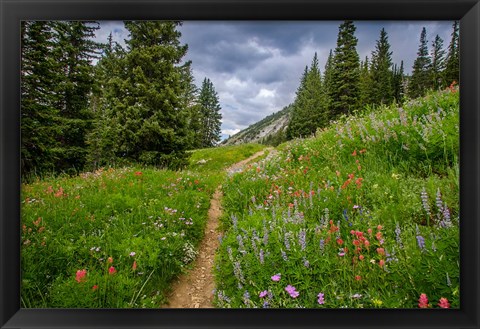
(106, 221)
(389, 176)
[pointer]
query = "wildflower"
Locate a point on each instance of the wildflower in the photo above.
(397, 235)
(276, 277)
(380, 251)
(265, 304)
(361, 257)
(356, 206)
(261, 256)
(357, 296)
(132, 253)
(138, 173)
(378, 235)
(366, 243)
(246, 297)
(284, 255)
(95, 287)
(263, 294)
(291, 291)
(423, 301)
(306, 263)
(421, 242)
(134, 266)
(369, 231)
(339, 241)
(443, 303)
(110, 260)
(302, 239)
(354, 153)
(377, 302)
(341, 253)
(80, 276)
(322, 244)
(381, 263)
(321, 299)
(112, 270)
(424, 197)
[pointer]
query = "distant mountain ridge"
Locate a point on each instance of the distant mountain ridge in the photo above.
(270, 130)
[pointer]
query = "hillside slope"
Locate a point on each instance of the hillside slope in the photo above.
(262, 130)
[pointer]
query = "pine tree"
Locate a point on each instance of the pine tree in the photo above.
(75, 50)
(149, 114)
(109, 78)
(309, 108)
(381, 73)
(398, 83)
(452, 70)
(344, 92)
(210, 116)
(39, 77)
(438, 63)
(421, 80)
(365, 83)
(327, 78)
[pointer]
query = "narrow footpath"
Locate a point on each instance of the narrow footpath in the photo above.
(195, 288)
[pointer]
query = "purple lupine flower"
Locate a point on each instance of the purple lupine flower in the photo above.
(266, 304)
(291, 291)
(234, 221)
(438, 201)
(261, 256)
(321, 299)
(302, 235)
(276, 277)
(322, 244)
(398, 238)
(421, 242)
(446, 221)
(425, 204)
(287, 240)
(284, 255)
(241, 247)
(306, 263)
(246, 297)
(237, 271)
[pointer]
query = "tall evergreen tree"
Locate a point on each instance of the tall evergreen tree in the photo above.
(75, 50)
(452, 70)
(109, 77)
(398, 83)
(381, 71)
(149, 114)
(327, 78)
(365, 83)
(310, 107)
(210, 116)
(421, 81)
(438, 63)
(39, 78)
(344, 92)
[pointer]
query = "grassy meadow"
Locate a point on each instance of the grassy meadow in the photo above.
(116, 237)
(363, 215)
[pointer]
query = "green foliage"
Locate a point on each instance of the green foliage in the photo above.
(452, 69)
(152, 218)
(309, 108)
(344, 91)
(208, 116)
(421, 80)
(438, 63)
(389, 176)
(381, 88)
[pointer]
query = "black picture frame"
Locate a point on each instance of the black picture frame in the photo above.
(13, 11)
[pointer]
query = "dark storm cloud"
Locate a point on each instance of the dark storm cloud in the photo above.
(256, 66)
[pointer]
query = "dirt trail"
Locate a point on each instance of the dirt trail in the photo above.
(195, 288)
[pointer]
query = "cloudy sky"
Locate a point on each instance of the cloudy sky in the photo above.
(256, 67)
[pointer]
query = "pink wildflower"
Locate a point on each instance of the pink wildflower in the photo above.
(276, 277)
(291, 291)
(443, 303)
(80, 276)
(423, 301)
(112, 270)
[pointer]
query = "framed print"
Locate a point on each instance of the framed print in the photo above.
(239, 164)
